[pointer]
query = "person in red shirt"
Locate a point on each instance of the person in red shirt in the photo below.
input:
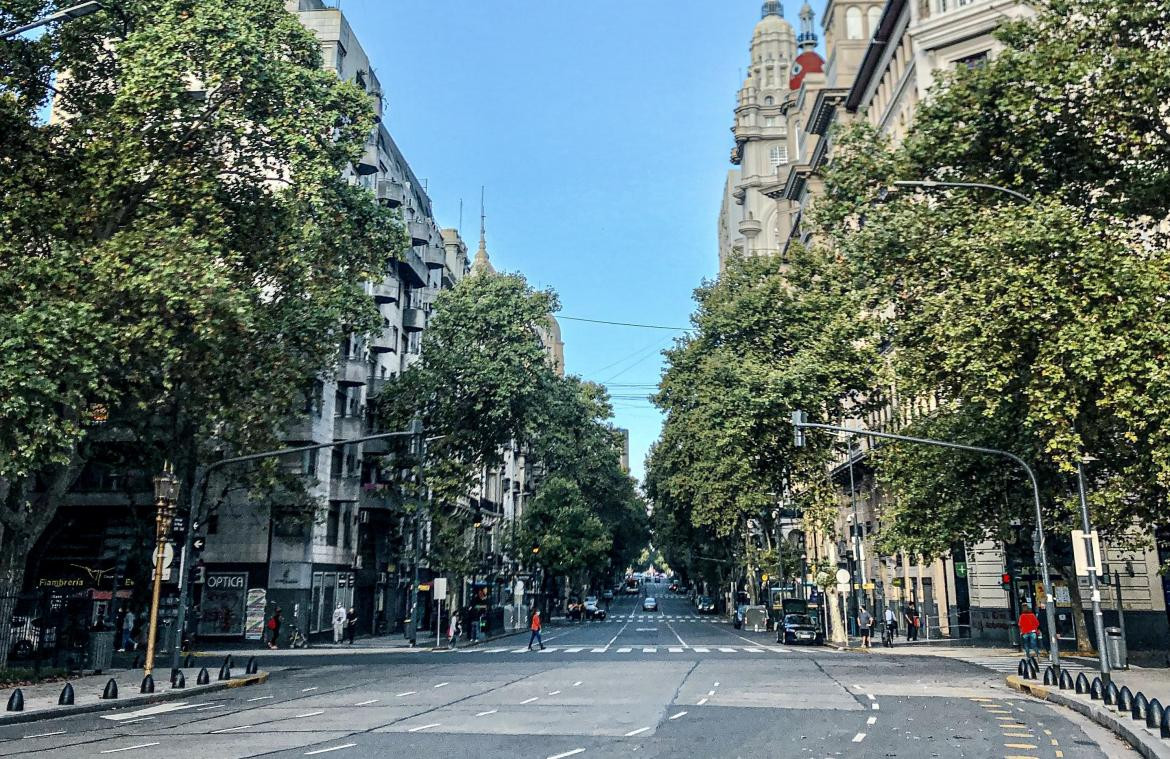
(535, 627)
(1030, 633)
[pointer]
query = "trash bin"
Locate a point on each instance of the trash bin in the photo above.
(101, 651)
(1115, 646)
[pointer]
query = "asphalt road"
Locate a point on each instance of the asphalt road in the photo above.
(667, 684)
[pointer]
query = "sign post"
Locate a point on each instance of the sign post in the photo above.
(440, 595)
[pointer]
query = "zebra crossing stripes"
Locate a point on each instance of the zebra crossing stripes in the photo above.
(645, 649)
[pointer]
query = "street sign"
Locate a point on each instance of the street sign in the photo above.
(843, 577)
(199, 543)
(869, 586)
(440, 593)
(168, 556)
(1086, 552)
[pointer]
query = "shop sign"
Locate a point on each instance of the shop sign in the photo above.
(222, 610)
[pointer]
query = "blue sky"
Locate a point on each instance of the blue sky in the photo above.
(601, 131)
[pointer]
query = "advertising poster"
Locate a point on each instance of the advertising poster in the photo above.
(222, 608)
(254, 613)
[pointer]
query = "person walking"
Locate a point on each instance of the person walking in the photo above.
(127, 631)
(911, 615)
(350, 624)
(891, 632)
(274, 628)
(453, 630)
(1030, 633)
(535, 627)
(865, 626)
(338, 622)
(473, 623)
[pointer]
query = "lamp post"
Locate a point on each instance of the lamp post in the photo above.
(800, 424)
(65, 14)
(166, 486)
(1092, 561)
(933, 184)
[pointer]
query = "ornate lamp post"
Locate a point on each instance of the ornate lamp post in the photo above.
(166, 488)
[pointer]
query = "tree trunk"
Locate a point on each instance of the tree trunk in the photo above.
(1084, 640)
(836, 623)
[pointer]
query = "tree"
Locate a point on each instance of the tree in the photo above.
(180, 230)
(562, 525)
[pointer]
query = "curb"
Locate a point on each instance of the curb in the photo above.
(1130, 731)
(16, 718)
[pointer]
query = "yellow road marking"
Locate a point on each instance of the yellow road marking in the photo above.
(1019, 745)
(1020, 756)
(1018, 735)
(1059, 755)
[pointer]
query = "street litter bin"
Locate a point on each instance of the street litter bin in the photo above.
(1116, 649)
(101, 651)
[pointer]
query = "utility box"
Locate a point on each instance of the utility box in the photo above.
(101, 651)
(1116, 648)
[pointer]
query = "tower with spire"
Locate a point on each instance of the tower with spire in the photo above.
(482, 263)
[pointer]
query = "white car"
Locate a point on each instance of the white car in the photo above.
(649, 604)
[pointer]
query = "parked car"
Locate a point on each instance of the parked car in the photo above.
(705, 605)
(649, 604)
(799, 628)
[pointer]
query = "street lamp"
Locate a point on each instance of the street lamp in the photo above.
(166, 487)
(63, 15)
(1092, 561)
(934, 184)
(800, 423)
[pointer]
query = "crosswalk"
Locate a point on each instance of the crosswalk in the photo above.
(642, 649)
(1005, 663)
(664, 617)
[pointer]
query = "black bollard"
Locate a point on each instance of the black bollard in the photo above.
(1097, 692)
(111, 690)
(252, 667)
(1022, 669)
(1082, 683)
(1066, 681)
(1154, 714)
(1125, 699)
(1033, 667)
(1049, 675)
(1110, 696)
(1165, 723)
(180, 681)
(203, 678)
(1140, 705)
(229, 662)
(66, 697)
(16, 701)
(225, 673)
(147, 685)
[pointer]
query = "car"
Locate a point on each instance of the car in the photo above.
(592, 611)
(607, 595)
(673, 587)
(705, 605)
(649, 604)
(799, 628)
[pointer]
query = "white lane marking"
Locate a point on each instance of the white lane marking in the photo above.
(710, 693)
(597, 651)
(574, 752)
(639, 731)
(129, 748)
(406, 693)
(876, 707)
(675, 650)
(700, 650)
(138, 719)
(553, 693)
(442, 685)
(859, 738)
(574, 650)
(521, 650)
(624, 650)
(676, 716)
(306, 690)
(858, 687)
(650, 650)
(529, 700)
(308, 714)
(159, 709)
(366, 703)
(778, 650)
(232, 729)
(209, 706)
(646, 629)
(489, 711)
(727, 650)
(331, 748)
(871, 697)
(423, 727)
(260, 698)
(871, 721)
(716, 685)
(701, 702)
(43, 735)
(752, 650)
(577, 683)
(619, 632)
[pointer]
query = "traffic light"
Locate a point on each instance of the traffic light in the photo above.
(535, 549)
(1005, 581)
(798, 418)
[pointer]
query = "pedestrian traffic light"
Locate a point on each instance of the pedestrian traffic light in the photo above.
(1006, 581)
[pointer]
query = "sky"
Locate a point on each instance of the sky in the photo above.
(601, 132)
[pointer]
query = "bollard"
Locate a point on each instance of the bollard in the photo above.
(203, 678)
(1066, 681)
(1165, 723)
(229, 662)
(147, 684)
(1022, 669)
(1154, 714)
(174, 673)
(189, 661)
(1097, 692)
(1110, 694)
(16, 701)
(1033, 667)
(224, 672)
(1082, 683)
(180, 681)
(1125, 699)
(1049, 675)
(66, 697)
(111, 690)
(252, 667)
(1140, 706)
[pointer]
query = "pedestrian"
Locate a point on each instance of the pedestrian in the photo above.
(535, 627)
(891, 627)
(453, 630)
(1030, 633)
(865, 625)
(274, 628)
(473, 623)
(338, 622)
(127, 631)
(911, 616)
(351, 619)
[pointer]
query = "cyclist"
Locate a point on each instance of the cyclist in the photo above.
(891, 628)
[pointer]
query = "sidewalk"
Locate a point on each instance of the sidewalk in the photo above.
(40, 701)
(370, 644)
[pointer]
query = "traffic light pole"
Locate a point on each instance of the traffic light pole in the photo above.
(199, 495)
(800, 424)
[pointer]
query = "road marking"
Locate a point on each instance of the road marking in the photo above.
(521, 650)
(440, 685)
(871, 721)
(859, 738)
(1018, 735)
(232, 729)
(597, 651)
(701, 702)
(699, 650)
(876, 707)
(646, 629)
(423, 727)
(366, 703)
(331, 748)
(308, 714)
(407, 693)
(716, 685)
(577, 683)
(710, 693)
(676, 716)
(484, 714)
(139, 719)
(575, 650)
(574, 752)
(306, 690)
(150, 710)
(129, 748)
(624, 650)
(753, 650)
(778, 650)
(529, 700)
(727, 650)
(870, 696)
(209, 706)
(260, 698)
(639, 731)
(43, 735)
(675, 650)
(1019, 745)
(650, 650)
(553, 693)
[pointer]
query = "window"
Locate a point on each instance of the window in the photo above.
(874, 16)
(972, 61)
(769, 100)
(770, 121)
(347, 529)
(853, 29)
(332, 523)
(778, 155)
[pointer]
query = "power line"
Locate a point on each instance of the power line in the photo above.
(624, 324)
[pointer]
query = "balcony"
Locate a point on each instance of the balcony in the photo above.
(385, 291)
(434, 257)
(307, 428)
(414, 319)
(347, 427)
(368, 163)
(342, 488)
(352, 372)
(390, 193)
(385, 341)
(376, 385)
(420, 232)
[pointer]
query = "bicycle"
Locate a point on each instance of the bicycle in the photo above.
(297, 640)
(889, 631)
